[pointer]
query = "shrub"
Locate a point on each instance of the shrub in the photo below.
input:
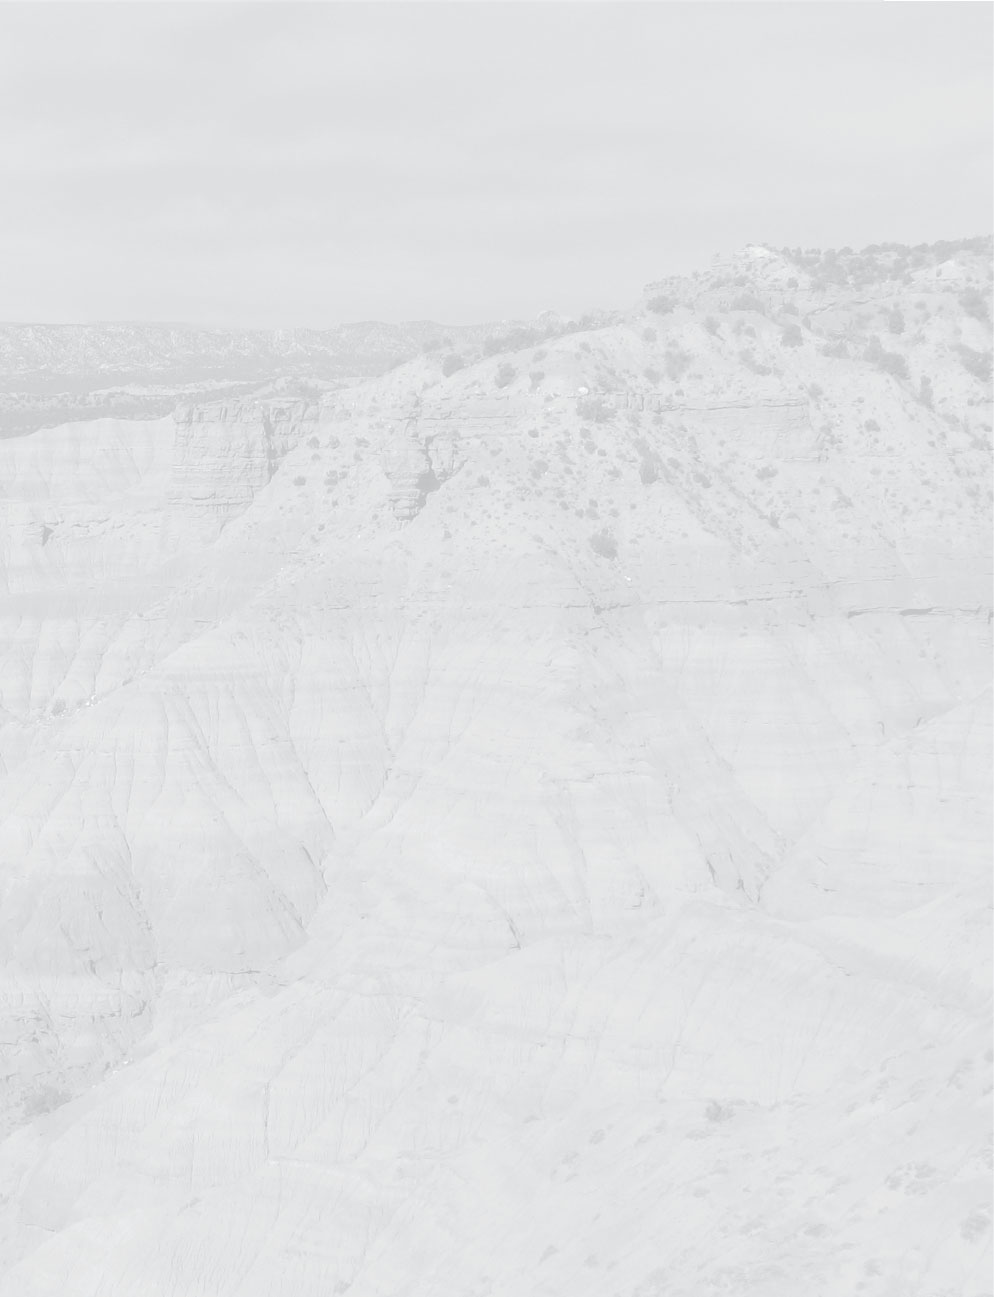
(750, 361)
(889, 361)
(747, 302)
(604, 544)
(313, 443)
(452, 363)
(662, 305)
(895, 321)
(791, 336)
(535, 377)
(300, 481)
(514, 340)
(594, 409)
(838, 349)
(925, 393)
(43, 1100)
(790, 308)
(653, 375)
(973, 303)
(871, 425)
(676, 364)
(977, 363)
(505, 375)
(428, 482)
(712, 325)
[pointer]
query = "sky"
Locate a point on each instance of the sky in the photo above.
(279, 165)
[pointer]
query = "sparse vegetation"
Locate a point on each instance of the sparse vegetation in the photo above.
(974, 304)
(44, 1099)
(749, 360)
(677, 363)
(977, 363)
(603, 543)
(594, 409)
(889, 361)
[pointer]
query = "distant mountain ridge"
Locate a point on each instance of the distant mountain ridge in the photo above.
(117, 348)
(58, 373)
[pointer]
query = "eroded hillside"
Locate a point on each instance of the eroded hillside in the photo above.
(517, 824)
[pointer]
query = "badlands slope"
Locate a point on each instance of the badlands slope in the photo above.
(524, 832)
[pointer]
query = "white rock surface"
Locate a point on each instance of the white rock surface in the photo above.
(479, 840)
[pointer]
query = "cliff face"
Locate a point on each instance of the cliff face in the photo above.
(466, 793)
(225, 453)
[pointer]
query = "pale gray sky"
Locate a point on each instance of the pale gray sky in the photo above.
(280, 164)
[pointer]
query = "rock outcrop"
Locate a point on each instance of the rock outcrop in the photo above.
(225, 453)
